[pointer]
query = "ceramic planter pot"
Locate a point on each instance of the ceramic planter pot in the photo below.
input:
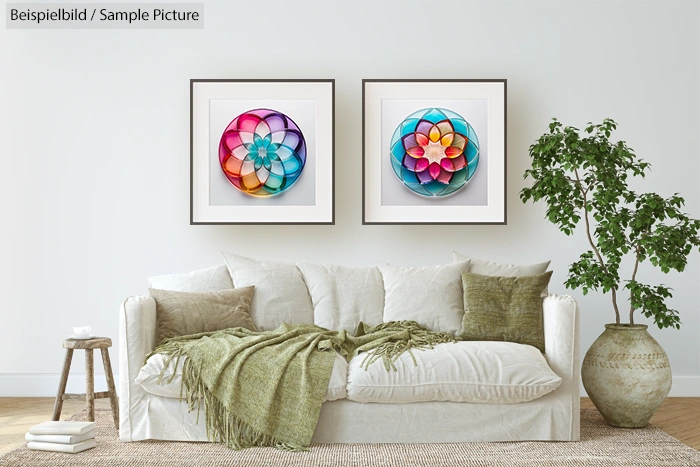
(627, 375)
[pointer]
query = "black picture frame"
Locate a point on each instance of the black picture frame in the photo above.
(372, 220)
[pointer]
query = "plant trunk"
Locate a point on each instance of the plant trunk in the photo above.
(634, 276)
(614, 302)
(593, 245)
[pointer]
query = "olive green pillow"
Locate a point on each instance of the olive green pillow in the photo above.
(504, 308)
(183, 313)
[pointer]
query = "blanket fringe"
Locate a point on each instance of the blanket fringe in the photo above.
(418, 338)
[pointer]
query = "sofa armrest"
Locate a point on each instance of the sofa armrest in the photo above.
(137, 338)
(561, 344)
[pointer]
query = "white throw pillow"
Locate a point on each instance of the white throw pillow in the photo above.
(280, 292)
(150, 373)
(343, 296)
(431, 296)
(473, 371)
(214, 279)
(489, 268)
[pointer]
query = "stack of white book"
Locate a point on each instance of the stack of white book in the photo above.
(62, 436)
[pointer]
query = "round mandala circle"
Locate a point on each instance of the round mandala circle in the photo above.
(262, 152)
(434, 152)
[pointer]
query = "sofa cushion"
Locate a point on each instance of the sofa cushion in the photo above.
(183, 313)
(491, 268)
(150, 373)
(432, 296)
(343, 296)
(479, 372)
(211, 279)
(504, 308)
(280, 292)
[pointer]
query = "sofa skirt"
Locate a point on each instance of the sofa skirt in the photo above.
(343, 421)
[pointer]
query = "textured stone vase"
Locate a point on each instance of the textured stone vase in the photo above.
(627, 375)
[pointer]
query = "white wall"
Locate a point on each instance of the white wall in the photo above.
(94, 147)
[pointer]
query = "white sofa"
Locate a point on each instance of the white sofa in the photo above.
(403, 412)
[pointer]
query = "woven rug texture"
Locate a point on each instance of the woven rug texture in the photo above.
(600, 445)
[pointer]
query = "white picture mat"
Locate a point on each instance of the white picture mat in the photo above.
(302, 112)
(493, 92)
(321, 93)
(475, 192)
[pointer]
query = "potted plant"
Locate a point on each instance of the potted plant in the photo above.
(583, 176)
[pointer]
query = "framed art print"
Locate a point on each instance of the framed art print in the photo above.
(434, 151)
(261, 151)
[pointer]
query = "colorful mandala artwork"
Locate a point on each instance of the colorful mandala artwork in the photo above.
(262, 152)
(434, 152)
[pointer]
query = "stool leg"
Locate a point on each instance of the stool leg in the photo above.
(90, 385)
(110, 386)
(58, 405)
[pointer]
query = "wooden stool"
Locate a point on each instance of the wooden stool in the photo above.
(102, 343)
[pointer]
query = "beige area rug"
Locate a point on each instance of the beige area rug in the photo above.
(600, 445)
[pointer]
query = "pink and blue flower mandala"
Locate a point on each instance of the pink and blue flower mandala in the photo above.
(262, 152)
(434, 152)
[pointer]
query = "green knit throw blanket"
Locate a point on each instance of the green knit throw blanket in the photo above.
(266, 388)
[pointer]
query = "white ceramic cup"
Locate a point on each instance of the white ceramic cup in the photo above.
(82, 331)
